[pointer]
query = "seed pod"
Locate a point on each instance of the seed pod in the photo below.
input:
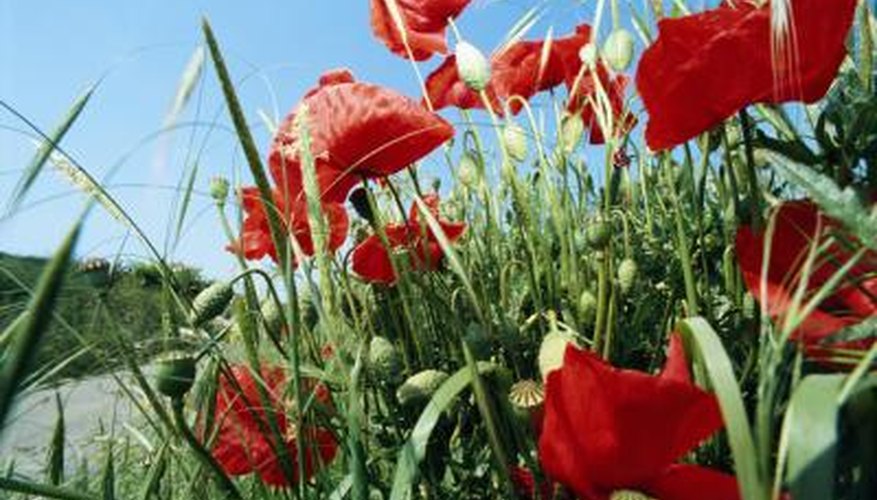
(472, 66)
(587, 308)
(210, 303)
(527, 398)
(618, 49)
(629, 495)
(175, 374)
(420, 386)
(467, 170)
(552, 352)
(571, 130)
(514, 139)
(627, 272)
(384, 361)
(598, 234)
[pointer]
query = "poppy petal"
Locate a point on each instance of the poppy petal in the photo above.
(425, 23)
(684, 482)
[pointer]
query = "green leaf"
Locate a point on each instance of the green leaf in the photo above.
(28, 336)
(108, 480)
(414, 450)
(709, 352)
(55, 471)
(810, 430)
(49, 145)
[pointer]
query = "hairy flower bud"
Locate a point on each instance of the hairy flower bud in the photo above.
(571, 130)
(514, 139)
(210, 303)
(627, 272)
(587, 308)
(384, 361)
(420, 386)
(219, 189)
(472, 66)
(618, 49)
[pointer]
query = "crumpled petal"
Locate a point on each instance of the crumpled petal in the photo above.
(425, 21)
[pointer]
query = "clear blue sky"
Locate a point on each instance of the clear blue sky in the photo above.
(50, 50)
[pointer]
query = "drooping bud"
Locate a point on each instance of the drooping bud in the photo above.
(627, 272)
(618, 49)
(514, 139)
(273, 315)
(210, 303)
(588, 55)
(472, 66)
(420, 386)
(587, 308)
(219, 189)
(598, 234)
(571, 130)
(384, 361)
(175, 374)
(467, 170)
(552, 352)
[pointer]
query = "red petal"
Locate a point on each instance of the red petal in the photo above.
(705, 67)
(425, 24)
(676, 367)
(585, 95)
(686, 482)
(607, 429)
(371, 261)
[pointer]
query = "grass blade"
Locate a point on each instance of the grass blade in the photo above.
(43, 491)
(29, 334)
(55, 471)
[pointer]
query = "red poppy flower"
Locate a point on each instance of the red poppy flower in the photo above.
(705, 67)
(609, 430)
(244, 441)
(519, 70)
(425, 24)
(585, 95)
(371, 260)
(524, 483)
(255, 241)
(800, 224)
(357, 131)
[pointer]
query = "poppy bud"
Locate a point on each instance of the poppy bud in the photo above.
(359, 199)
(420, 386)
(472, 66)
(467, 170)
(588, 55)
(383, 360)
(273, 315)
(514, 139)
(618, 49)
(175, 374)
(598, 234)
(552, 352)
(587, 308)
(571, 130)
(219, 189)
(627, 272)
(210, 303)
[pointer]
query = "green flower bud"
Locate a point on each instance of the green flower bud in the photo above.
(383, 360)
(552, 352)
(420, 386)
(514, 139)
(467, 170)
(210, 303)
(588, 55)
(618, 49)
(175, 374)
(587, 308)
(273, 315)
(219, 189)
(571, 130)
(627, 272)
(472, 66)
(598, 234)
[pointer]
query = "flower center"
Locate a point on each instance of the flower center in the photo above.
(629, 495)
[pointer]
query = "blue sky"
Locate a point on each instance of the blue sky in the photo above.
(51, 50)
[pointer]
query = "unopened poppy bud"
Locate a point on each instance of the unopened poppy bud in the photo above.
(219, 189)
(627, 272)
(472, 66)
(420, 386)
(273, 315)
(588, 55)
(175, 374)
(618, 49)
(467, 170)
(587, 307)
(384, 361)
(210, 303)
(552, 352)
(514, 139)
(571, 130)
(359, 199)
(598, 234)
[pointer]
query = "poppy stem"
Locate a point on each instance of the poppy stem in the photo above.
(751, 174)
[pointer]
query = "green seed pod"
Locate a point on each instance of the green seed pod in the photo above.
(598, 234)
(219, 189)
(384, 361)
(571, 131)
(588, 308)
(175, 374)
(210, 303)
(618, 49)
(420, 386)
(472, 66)
(514, 139)
(467, 170)
(552, 352)
(627, 272)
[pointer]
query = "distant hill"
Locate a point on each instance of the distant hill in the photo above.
(98, 301)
